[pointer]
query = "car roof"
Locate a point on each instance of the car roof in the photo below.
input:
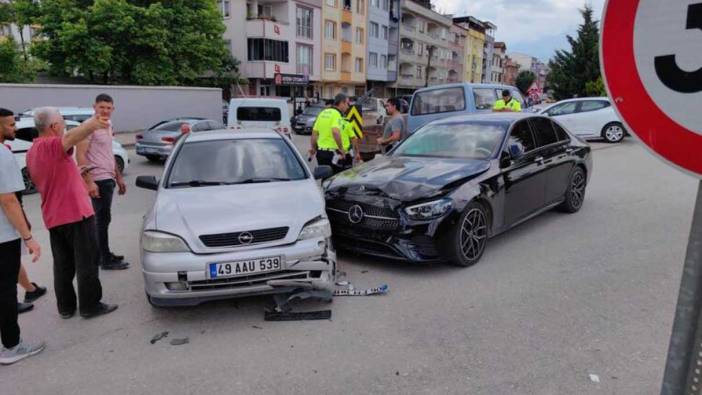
(496, 117)
(465, 84)
(582, 99)
(246, 100)
(67, 111)
(231, 134)
(29, 123)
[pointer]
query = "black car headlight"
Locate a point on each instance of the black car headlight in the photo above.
(429, 210)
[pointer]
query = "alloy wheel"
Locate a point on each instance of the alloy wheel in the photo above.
(473, 234)
(577, 189)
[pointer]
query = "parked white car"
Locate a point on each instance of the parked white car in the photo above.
(247, 220)
(588, 117)
(26, 133)
(247, 113)
(78, 114)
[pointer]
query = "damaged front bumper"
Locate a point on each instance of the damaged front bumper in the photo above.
(182, 279)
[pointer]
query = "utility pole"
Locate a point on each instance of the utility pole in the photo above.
(430, 52)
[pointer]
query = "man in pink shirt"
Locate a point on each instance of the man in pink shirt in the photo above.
(67, 212)
(95, 153)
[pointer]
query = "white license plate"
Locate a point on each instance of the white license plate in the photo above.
(245, 268)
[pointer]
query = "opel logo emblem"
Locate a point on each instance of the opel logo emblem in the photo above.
(355, 214)
(245, 238)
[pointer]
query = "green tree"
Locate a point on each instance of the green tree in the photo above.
(571, 71)
(167, 42)
(25, 13)
(12, 67)
(595, 88)
(524, 80)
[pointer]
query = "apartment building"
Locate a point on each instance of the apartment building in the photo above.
(488, 50)
(510, 71)
(458, 37)
(278, 43)
(425, 50)
(344, 47)
(533, 64)
(383, 45)
(474, 48)
(498, 59)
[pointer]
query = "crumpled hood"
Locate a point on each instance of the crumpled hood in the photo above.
(406, 178)
(191, 212)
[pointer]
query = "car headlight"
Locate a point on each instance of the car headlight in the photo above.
(162, 242)
(429, 210)
(318, 227)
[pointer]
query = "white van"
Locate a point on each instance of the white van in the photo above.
(260, 113)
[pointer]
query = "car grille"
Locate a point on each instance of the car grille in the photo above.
(374, 217)
(233, 239)
(246, 281)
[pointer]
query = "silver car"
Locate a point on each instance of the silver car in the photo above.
(235, 214)
(157, 142)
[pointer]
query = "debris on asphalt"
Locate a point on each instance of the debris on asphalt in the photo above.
(364, 271)
(594, 378)
(256, 327)
(342, 283)
(179, 342)
(381, 290)
(158, 337)
(297, 316)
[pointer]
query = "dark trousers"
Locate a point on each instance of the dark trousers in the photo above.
(325, 158)
(10, 253)
(103, 216)
(75, 250)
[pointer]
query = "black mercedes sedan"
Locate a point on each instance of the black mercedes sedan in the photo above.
(454, 183)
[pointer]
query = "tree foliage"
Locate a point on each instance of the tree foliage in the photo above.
(572, 71)
(13, 67)
(167, 42)
(524, 80)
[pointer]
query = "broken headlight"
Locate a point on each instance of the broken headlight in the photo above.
(318, 227)
(429, 210)
(162, 242)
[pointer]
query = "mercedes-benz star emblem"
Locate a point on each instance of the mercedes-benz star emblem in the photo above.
(245, 238)
(355, 214)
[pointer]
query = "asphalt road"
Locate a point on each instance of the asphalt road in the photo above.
(552, 302)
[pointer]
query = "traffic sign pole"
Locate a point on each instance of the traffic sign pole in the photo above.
(683, 371)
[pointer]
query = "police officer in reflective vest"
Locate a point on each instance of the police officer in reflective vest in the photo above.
(327, 134)
(507, 103)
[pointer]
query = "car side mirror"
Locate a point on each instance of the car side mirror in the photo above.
(323, 172)
(147, 182)
(516, 151)
(505, 159)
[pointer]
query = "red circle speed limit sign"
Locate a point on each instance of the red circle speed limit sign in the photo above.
(651, 57)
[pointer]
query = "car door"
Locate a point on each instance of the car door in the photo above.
(524, 178)
(594, 115)
(565, 113)
(552, 152)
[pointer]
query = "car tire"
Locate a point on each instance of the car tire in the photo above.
(153, 158)
(120, 164)
(29, 187)
(575, 194)
(613, 132)
(465, 243)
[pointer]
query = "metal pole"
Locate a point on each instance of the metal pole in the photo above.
(682, 371)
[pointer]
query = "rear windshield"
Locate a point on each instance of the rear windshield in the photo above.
(438, 100)
(485, 98)
(170, 126)
(266, 114)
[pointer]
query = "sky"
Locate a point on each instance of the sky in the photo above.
(535, 27)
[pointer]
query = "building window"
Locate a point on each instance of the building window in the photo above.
(331, 3)
(359, 65)
(359, 35)
(304, 59)
(329, 62)
(228, 44)
(374, 30)
(330, 30)
(224, 7)
(421, 26)
(386, 5)
(419, 71)
(375, 3)
(373, 59)
(360, 6)
(385, 32)
(265, 49)
(383, 62)
(420, 49)
(304, 22)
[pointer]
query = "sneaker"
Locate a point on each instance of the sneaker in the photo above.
(19, 352)
(102, 309)
(116, 257)
(67, 314)
(115, 266)
(24, 307)
(39, 291)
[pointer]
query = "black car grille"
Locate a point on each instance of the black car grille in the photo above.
(232, 239)
(247, 281)
(374, 217)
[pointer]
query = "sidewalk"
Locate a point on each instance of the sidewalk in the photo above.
(127, 139)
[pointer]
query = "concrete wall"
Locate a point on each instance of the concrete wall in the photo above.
(136, 107)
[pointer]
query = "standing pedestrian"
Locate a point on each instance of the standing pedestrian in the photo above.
(68, 212)
(395, 129)
(326, 140)
(14, 230)
(95, 152)
(507, 103)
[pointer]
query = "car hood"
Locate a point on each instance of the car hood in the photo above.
(191, 212)
(407, 178)
(305, 118)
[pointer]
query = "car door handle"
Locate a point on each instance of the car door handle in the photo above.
(539, 159)
(569, 150)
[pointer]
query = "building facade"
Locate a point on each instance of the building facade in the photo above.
(344, 24)
(275, 38)
(488, 50)
(533, 64)
(474, 52)
(510, 71)
(383, 45)
(458, 37)
(425, 51)
(498, 59)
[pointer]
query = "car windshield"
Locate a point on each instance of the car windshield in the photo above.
(455, 140)
(240, 161)
(313, 110)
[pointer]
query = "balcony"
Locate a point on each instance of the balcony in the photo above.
(347, 16)
(409, 28)
(346, 76)
(264, 28)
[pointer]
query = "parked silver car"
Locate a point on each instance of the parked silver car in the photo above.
(235, 214)
(157, 142)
